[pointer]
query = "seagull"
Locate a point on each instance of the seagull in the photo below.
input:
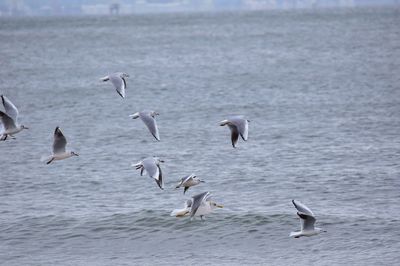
(149, 119)
(307, 220)
(9, 119)
(199, 205)
(238, 126)
(119, 82)
(189, 181)
(59, 144)
(151, 165)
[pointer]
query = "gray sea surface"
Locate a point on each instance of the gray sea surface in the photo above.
(322, 92)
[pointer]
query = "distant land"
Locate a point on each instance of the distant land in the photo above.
(103, 7)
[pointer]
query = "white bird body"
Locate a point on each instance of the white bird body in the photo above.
(305, 233)
(12, 131)
(9, 119)
(307, 221)
(204, 209)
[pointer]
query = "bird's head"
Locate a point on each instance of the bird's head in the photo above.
(154, 114)
(158, 160)
(124, 75)
(24, 127)
(223, 123)
(74, 154)
(215, 205)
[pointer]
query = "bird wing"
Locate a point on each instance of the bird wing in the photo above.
(197, 201)
(8, 122)
(242, 126)
(151, 168)
(160, 181)
(119, 84)
(183, 180)
(234, 134)
(151, 124)
(307, 219)
(187, 178)
(10, 108)
(59, 141)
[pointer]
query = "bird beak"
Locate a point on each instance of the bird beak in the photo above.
(26, 127)
(162, 161)
(219, 206)
(76, 154)
(201, 181)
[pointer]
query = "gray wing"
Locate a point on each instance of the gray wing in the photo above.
(151, 168)
(234, 134)
(10, 108)
(242, 126)
(119, 84)
(307, 219)
(8, 122)
(59, 141)
(160, 181)
(183, 180)
(197, 201)
(302, 208)
(151, 124)
(307, 222)
(187, 178)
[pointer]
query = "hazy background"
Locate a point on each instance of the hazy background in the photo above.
(96, 7)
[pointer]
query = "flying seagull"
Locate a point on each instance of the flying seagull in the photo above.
(307, 221)
(199, 205)
(59, 152)
(151, 165)
(238, 126)
(118, 79)
(149, 119)
(9, 119)
(189, 181)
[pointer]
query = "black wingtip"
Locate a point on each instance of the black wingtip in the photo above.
(120, 94)
(294, 203)
(155, 137)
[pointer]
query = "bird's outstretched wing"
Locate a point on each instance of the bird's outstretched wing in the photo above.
(59, 141)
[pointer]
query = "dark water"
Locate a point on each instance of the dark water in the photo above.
(322, 91)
